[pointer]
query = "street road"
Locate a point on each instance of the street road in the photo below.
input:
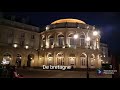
(38, 73)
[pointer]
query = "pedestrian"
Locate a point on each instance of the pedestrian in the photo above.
(13, 72)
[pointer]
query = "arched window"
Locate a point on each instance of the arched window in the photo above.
(83, 60)
(71, 40)
(50, 59)
(82, 40)
(51, 40)
(18, 60)
(30, 59)
(72, 59)
(60, 59)
(60, 40)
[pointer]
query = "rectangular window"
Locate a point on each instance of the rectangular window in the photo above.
(22, 35)
(51, 41)
(60, 40)
(32, 43)
(32, 37)
(21, 43)
(71, 41)
(82, 42)
(10, 34)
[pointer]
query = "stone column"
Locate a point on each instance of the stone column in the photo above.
(96, 61)
(66, 58)
(46, 41)
(77, 63)
(41, 41)
(54, 58)
(65, 39)
(88, 57)
(55, 40)
(45, 61)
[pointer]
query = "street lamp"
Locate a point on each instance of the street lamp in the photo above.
(87, 39)
(75, 36)
(95, 33)
(15, 45)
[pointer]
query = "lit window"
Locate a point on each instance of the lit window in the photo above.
(32, 37)
(82, 40)
(51, 41)
(22, 35)
(60, 40)
(26, 47)
(15, 45)
(71, 40)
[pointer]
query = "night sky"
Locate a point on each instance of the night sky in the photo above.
(108, 22)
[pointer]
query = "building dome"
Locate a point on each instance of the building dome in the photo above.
(69, 20)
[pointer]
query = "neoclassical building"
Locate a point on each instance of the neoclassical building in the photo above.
(69, 42)
(19, 43)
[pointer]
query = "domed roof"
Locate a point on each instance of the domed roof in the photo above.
(70, 20)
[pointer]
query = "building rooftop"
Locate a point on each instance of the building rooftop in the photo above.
(69, 20)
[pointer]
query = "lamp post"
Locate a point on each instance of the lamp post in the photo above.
(95, 33)
(87, 39)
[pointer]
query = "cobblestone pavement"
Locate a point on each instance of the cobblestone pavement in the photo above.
(38, 73)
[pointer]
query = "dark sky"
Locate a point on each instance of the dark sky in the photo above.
(108, 22)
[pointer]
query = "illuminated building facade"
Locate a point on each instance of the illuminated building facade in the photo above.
(64, 42)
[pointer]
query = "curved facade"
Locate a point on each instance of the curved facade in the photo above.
(68, 42)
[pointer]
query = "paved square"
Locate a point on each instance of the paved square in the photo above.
(38, 73)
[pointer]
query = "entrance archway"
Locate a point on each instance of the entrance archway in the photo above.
(83, 60)
(50, 59)
(72, 59)
(18, 60)
(30, 58)
(60, 59)
(7, 57)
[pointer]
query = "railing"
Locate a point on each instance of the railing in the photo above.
(70, 25)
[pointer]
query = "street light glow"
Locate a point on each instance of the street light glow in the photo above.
(15, 45)
(75, 36)
(26, 47)
(95, 33)
(47, 27)
(88, 39)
